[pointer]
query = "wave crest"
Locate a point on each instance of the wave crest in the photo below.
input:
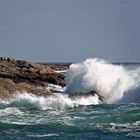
(55, 101)
(110, 81)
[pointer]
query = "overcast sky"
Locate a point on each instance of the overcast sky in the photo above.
(70, 30)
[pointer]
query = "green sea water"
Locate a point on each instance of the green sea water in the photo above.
(99, 122)
(29, 117)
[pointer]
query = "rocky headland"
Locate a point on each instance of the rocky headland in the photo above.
(24, 76)
(18, 76)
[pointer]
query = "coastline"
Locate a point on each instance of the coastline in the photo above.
(25, 76)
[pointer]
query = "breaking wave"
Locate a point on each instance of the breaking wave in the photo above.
(56, 101)
(115, 83)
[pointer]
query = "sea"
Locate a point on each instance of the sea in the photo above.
(111, 114)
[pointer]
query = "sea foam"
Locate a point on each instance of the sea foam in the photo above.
(10, 111)
(114, 83)
(110, 81)
(55, 101)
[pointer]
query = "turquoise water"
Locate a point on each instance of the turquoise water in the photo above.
(28, 117)
(105, 122)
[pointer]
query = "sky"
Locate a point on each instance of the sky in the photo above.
(70, 30)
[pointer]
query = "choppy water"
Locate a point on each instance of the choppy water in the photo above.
(27, 116)
(106, 121)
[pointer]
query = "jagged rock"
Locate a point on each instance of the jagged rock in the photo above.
(16, 73)
(59, 67)
(85, 94)
(24, 76)
(10, 59)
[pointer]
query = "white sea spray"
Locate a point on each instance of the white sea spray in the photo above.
(55, 101)
(111, 81)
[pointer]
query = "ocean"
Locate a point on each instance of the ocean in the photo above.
(116, 116)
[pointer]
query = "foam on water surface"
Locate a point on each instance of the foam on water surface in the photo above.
(56, 101)
(60, 116)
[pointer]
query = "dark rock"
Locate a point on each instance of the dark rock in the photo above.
(3, 58)
(85, 94)
(13, 73)
(59, 67)
(20, 71)
(10, 59)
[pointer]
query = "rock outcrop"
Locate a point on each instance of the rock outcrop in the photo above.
(23, 76)
(59, 67)
(85, 94)
(20, 75)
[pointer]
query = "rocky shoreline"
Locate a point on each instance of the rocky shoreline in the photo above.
(19, 76)
(24, 76)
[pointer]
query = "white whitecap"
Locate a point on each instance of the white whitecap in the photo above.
(55, 101)
(110, 81)
(43, 135)
(10, 111)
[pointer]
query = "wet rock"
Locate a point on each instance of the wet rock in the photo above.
(16, 73)
(85, 94)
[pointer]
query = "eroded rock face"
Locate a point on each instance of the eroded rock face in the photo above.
(20, 75)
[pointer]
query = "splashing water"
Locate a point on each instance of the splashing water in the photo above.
(27, 116)
(110, 81)
(56, 101)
